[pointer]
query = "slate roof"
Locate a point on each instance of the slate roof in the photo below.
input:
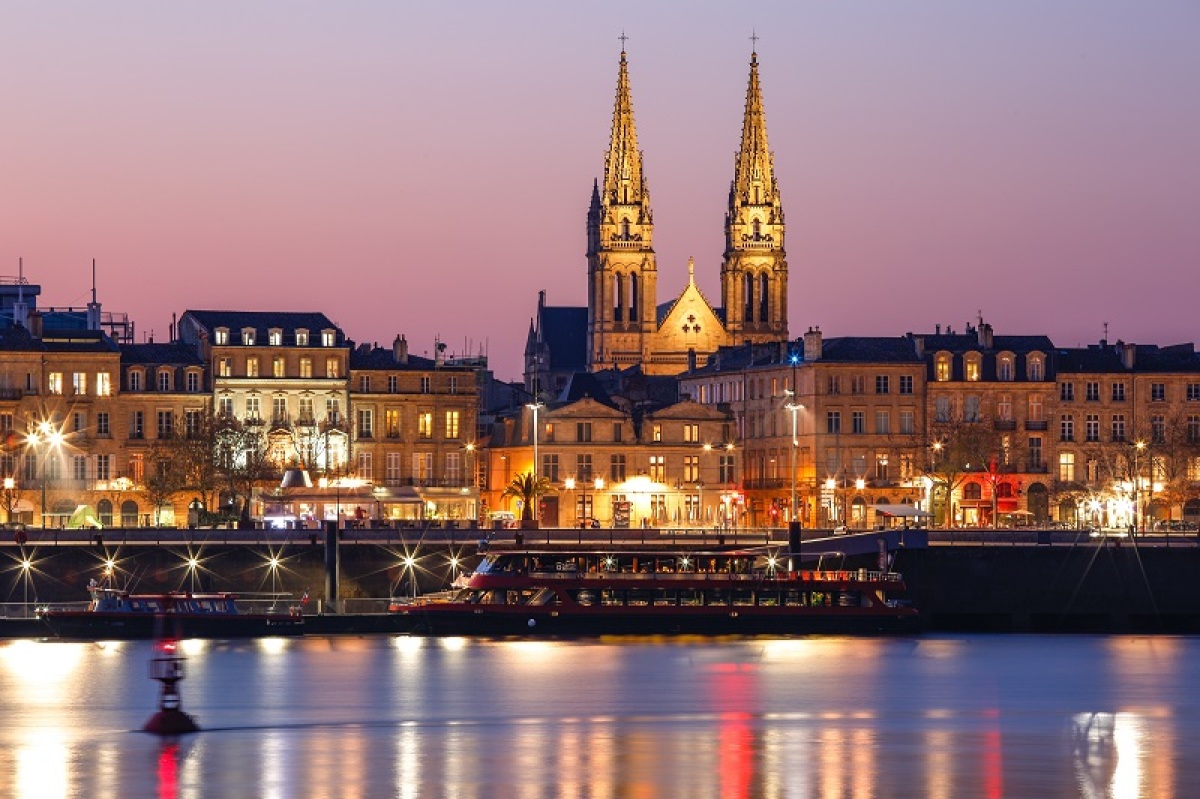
(868, 349)
(263, 321)
(967, 342)
(1148, 358)
(564, 333)
(151, 353)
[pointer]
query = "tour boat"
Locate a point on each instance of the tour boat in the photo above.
(750, 592)
(117, 614)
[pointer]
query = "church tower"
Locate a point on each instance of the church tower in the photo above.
(622, 272)
(754, 271)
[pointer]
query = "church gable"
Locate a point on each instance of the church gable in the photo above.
(691, 324)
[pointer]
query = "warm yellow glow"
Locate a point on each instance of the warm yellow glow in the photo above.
(409, 561)
(599, 483)
(9, 484)
(26, 565)
(193, 646)
(453, 643)
(569, 484)
(831, 483)
(860, 484)
(193, 563)
(408, 643)
(273, 563)
(453, 562)
(273, 646)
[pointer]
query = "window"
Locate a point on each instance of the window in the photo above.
(583, 466)
(725, 467)
(224, 369)
(1004, 369)
(583, 431)
(1066, 467)
(221, 336)
(971, 408)
(1035, 452)
(1193, 392)
(364, 384)
(833, 422)
(550, 467)
(79, 467)
(275, 337)
(1066, 392)
(883, 422)
(834, 384)
(164, 380)
(453, 384)
(1193, 429)
(1118, 392)
(301, 337)
(366, 466)
(452, 424)
(1158, 392)
(1036, 372)
(253, 408)
(1066, 427)
(617, 431)
(393, 384)
(691, 468)
(191, 423)
(858, 422)
(1158, 428)
(79, 382)
(1118, 427)
(137, 425)
(658, 468)
(248, 336)
(102, 423)
(327, 337)
(454, 470)
(54, 383)
(691, 433)
(277, 368)
(1092, 391)
(225, 406)
(104, 467)
(971, 367)
(941, 409)
(422, 467)
(907, 428)
(331, 367)
(882, 384)
(656, 433)
(858, 384)
(616, 469)
(366, 423)
(1004, 408)
(906, 384)
(166, 424)
(881, 466)
(394, 469)
(1092, 427)
(425, 425)
(941, 368)
(391, 422)
(1035, 408)
(306, 367)
(333, 411)
(192, 381)
(306, 410)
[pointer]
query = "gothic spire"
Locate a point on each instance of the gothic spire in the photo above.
(754, 174)
(624, 183)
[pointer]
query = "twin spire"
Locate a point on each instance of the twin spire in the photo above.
(624, 183)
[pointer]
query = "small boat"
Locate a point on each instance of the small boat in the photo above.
(748, 592)
(114, 613)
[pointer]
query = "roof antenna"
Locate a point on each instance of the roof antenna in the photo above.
(93, 280)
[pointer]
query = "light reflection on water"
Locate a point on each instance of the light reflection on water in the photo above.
(936, 717)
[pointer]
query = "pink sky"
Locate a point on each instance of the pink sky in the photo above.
(425, 168)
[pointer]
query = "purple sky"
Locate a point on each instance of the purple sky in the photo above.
(425, 168)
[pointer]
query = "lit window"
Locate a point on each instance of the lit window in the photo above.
(331, 367)
(451, 424)
(54, 383)
(252, 367)
(275, 337)
(277, 367)
(221, 335)
(327, 338)
(103, 384)
(79, 382)
(301, 337)
(248, 336)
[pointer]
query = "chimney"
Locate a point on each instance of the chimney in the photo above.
(937, 330)
(400, 350)
(35, 324)
(1128, 355)
(919, 346)
(985, 336)
(812, 344)
(692, 359)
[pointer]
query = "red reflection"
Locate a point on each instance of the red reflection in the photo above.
(993, 758)
(168, 771)
(734, 699)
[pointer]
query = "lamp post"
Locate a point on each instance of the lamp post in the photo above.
(9, 485)
(45, 438)
(1138, 518)
(535, 407)
(569, 485)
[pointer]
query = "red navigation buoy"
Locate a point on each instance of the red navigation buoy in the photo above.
(167, 668)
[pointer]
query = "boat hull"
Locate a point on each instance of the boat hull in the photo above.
(503, 620)
(93, 626)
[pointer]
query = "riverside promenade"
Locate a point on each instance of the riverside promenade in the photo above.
(971, 580)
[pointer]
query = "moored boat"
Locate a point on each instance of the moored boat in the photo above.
(749, 592)
(113, 613)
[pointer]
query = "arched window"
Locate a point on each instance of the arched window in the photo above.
(104, 510)
(763, 297)
(618, 298)
(625, 227)
(633, 298)
(972, 490)
(129, 513)
(748, 287)
(757, 229)
(942, 367)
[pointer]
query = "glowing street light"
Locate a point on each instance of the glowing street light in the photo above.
(26, 575)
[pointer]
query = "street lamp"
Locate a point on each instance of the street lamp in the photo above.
(9, 485)
(26, 567)
(1138, 523)
(794, 407)
(43, 439)
(569, 485)
(535, 407)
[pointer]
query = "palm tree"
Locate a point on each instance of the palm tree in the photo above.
(527, 488)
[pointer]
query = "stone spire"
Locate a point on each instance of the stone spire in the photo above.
(754, 272)
(624, 183)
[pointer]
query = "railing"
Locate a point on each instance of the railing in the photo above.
(1033, 424)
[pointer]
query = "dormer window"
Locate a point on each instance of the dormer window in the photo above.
(326, 338)
(221, 336)
(942, 368)
(1035, 370)
(248, 336)
(275, 337)
(971, 367)
(135, 380)
(1004, 367)
(164, 379)
(301, 337)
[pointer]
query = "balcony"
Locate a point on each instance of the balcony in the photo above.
(1034, 424)
(1004, 424)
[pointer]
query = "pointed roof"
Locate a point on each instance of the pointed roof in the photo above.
(624, 182)
(754, 162)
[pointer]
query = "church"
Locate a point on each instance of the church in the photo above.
(624, 326)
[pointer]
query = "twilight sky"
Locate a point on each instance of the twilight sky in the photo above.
(425, 168)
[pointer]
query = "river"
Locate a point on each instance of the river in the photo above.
(822, 717)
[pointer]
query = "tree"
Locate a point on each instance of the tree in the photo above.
(529, 489)
(959, 449)
(242, 461)
(164, 475)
